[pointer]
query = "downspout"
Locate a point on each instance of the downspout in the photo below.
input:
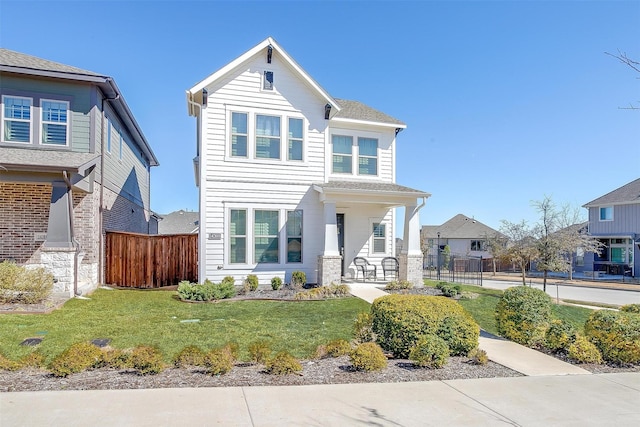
(201, 268)
(74, 242)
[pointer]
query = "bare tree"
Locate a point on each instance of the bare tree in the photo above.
(521, 248)
(635, 65)
(496, 246)
(549, 255)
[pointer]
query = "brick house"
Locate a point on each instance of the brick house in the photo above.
(73, 163)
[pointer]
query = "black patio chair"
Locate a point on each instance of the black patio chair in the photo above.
(390, 264)
(365, 267)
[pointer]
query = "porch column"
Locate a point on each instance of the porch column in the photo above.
(59, 228)
(329, 262)
(410, 259)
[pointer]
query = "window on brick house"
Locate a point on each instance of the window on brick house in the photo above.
(16, 119)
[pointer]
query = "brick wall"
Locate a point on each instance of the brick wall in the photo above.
(121, 214)
(24, 210)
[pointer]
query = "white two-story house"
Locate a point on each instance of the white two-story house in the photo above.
(291, 178)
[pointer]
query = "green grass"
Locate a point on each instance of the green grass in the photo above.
(483, 308)
(131, 318)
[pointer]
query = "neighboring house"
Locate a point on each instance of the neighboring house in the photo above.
(73, 163)
(179, 222)
(615, 220)
(464, 236)
(291, 178)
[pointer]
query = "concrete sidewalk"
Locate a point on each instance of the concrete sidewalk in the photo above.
(584, 400)
(507, 353)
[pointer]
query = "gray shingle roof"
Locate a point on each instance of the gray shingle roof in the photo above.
(29, 159)
(378, 187)
(179, 222)
(21, 60)
(458, 227)
(628, 193)
(358, 111)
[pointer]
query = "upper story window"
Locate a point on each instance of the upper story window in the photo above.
(16, 119)
(342, 153)
(606, 213)
(295, 139)
(367, 156)
(239, 134)
(54, 122)
(267, 137)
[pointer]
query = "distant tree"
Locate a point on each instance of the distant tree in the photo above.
(635, 65)
(521, 248)
(446, 256)
(549, 255)
(496, 246)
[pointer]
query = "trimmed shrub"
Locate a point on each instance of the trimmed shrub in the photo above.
(584, 351)
(449, 289)
(397, 285)
(362, 328)
(559, 336)
(228, 280)
(630, 308)
(146, 359)
(616, 334)
(368, 356)
(259, 351)
(77, 358)
(191, 355)
(337, 348)
(250, 283)
(218, 361)
(324, 292)
(282, 364)
(430, 351)
(24, 285)
(276, 283)
(298, 279)
(208, 291)
(33, 360)
(399, 321)
(8, 364)
(523, 315)
(477, 356)
(116, 358)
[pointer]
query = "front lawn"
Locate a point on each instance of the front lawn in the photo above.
(132, 317)
(483, 308)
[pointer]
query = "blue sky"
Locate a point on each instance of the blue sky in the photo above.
(505, 102)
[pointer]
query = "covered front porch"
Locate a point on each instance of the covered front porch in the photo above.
(359, 221)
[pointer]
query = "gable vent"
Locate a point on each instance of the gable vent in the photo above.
(267, 82)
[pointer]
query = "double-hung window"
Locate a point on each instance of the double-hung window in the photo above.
(239, 134)
(295, 139)
(342, 153)
(265, 234)
(606, 213)
(478, 245)
(238, 236)
(294, 236)
(367, 156)
(379, 238)
(267, 137)
(16, 119)
(54, 122)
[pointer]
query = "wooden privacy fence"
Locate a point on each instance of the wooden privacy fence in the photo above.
(150, 261)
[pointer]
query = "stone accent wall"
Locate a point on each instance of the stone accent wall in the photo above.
(329, 270)
(411, 269)
(24, 211)
(60, 263)
(121, 214)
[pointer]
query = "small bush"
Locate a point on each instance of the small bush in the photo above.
(430, 351)
(24, 285)
(368, 356)
(276, 283)
(146, 360)
(397, 285)
(8, 364)
(283, 363)
(584, 351)
(362, 328)
(191, 355)
(559, 336)
(116, 358)
(218, 361)
(449, 289)
(228, 281)
(250, 283)
(631, 308)
(337, 348)
(616, 334)
(233, 349)
(77, 358)
(208, 291)
(259, 351)
(324, 292)
(33, 360)
(400, 320)
(477, 356)
(298, 279)
(523, 315)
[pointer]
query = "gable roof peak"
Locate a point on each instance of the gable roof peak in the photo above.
(628, 193)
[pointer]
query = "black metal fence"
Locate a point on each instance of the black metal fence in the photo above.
(454, 268)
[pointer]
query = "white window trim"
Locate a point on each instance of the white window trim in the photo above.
(355, 154)
(286, 237)
(599, 213)
(254, 141)
(372, 238)
(31, 120)
(343, 154)
(377, 157)
(227, 243)
(288, 118)
(228, 151)
(263, 80)
(43, 122)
